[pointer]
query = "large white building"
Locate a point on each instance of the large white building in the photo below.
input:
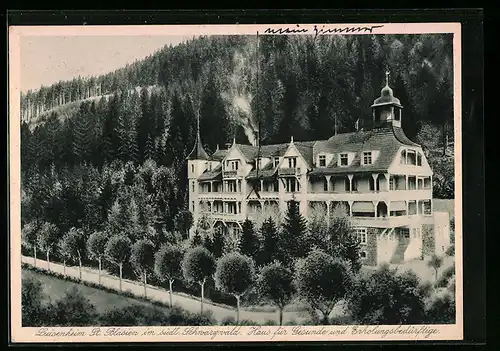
(381, 176)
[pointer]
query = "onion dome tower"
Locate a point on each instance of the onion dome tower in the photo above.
(386, 109)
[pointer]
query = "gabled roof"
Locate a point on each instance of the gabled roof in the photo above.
(265, 172)
(218, 155)
(215, 174)
(306, 149)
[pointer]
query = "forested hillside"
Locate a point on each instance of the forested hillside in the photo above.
(106, 153)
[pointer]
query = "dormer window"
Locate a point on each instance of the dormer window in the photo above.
(419, 159)
(343, 159)
(292, 162)
(322, 161)
(367, 158)
(276, 161)
(232, 165)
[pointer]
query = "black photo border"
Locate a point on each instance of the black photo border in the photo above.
(473, 150)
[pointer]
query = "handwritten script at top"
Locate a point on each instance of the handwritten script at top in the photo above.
(321, 30)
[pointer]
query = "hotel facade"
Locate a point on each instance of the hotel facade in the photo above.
(381, 177)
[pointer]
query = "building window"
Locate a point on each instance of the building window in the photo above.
(354, 184)
(419, 159)
(322, 161)
(292, 162)
(192, 205)
(258, 162)
(192, 186)
(239, 207)
(192, 168)
(397, 114)
(405, 232)
(231, 186)
(234, 165)
(391, 183)
(411, 157)
(371, 181)
(412, 207)
(291, 185)
(367, 158)
(403, 157)
(412, 183)
(361, 233)
(276, 161)
(343, 159)
(427, 207)
(363, 254)
(325, 185)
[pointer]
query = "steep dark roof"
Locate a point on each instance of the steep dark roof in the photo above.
(265, 172)
(386, 140)
(218, 155)
(198, 152)
(306, 149)
(215, 174)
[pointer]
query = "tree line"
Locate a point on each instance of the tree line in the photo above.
(317, 262)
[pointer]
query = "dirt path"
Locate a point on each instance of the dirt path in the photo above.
(189, 303)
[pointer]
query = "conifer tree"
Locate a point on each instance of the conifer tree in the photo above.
(270, 238)
(83, 135)
(292, 234)
(218, 244)
(249, 243)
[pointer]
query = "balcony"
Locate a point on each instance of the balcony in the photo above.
(289, 172)
(225, 216)
(382, 222)
(221, 196)
(269, 194)
(229, 174)
(393, 195)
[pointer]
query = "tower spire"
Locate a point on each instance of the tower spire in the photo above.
(198, 152)
(387, 78)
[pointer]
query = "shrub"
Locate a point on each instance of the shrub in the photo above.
(228, 320)
(445, 277)
(131, 315)
(33, 311)
(450, 251)
(441, 310)
(385, 297)
(73, 309)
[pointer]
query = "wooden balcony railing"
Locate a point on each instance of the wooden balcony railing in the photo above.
(229, 174)
(289, 171)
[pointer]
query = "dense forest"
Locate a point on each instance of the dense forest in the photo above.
(109, 151)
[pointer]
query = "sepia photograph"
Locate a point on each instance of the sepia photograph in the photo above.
(210, 183)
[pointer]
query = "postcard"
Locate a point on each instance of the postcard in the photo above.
(235, 183)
